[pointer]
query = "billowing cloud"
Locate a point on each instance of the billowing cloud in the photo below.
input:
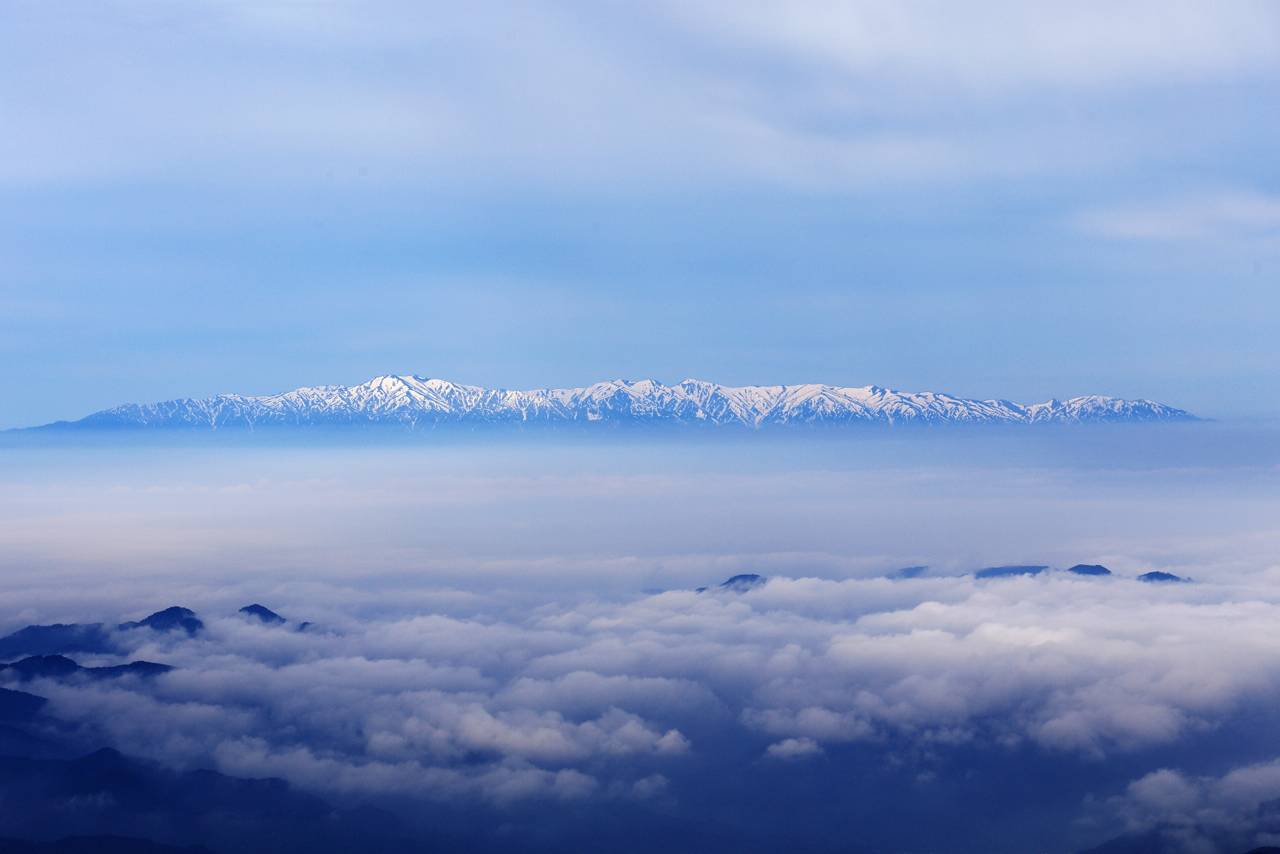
(793, 748)
(1195, 814)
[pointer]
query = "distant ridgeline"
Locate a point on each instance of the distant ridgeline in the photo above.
(415, 402)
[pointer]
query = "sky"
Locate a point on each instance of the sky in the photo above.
(995, 200)
(992, 199)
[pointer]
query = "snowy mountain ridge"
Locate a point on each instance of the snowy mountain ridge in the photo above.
(413, 401)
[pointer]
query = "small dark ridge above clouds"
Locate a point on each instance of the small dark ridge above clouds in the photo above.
(1089, 569)
(743, 582)
(44, 647)
(262, 614)
(1158, 577)
(61, 667)
(93, 638)
(1009, 571)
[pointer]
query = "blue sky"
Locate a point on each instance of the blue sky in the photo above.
(1000, 200)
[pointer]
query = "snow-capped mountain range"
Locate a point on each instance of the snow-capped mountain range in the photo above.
(417, 402)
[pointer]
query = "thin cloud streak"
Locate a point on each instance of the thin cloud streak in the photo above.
(1229, 216)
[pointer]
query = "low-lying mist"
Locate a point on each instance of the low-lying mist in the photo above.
(635, 515)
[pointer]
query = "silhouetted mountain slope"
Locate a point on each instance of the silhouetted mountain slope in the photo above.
(107, 793)
(97, 845)
(57, 638)
(19, 705)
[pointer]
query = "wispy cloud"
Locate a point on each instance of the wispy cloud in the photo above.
(1001, 47)
(1226, 215)
(859, 92)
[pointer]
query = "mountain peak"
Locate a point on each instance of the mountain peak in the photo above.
(413, 401)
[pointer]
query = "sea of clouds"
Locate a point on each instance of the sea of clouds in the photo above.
(1052, 711)
(462, 697)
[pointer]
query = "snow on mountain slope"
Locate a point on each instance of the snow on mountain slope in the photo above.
(414, 401)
